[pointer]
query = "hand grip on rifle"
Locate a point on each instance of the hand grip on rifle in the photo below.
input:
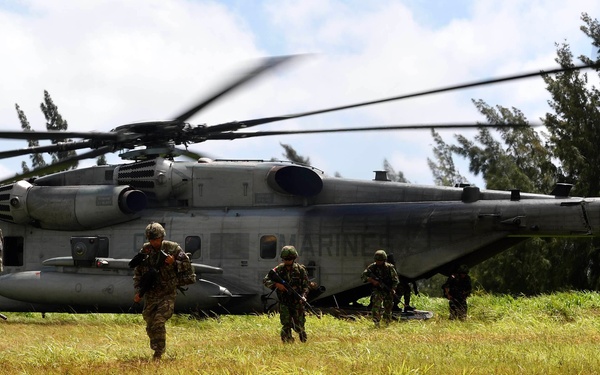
(380, 283)
(278, 280)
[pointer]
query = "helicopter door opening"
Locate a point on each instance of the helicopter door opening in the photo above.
(13, 251)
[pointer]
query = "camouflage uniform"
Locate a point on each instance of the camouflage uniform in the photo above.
(404, 290)
(291, 310)
(159, 300)
(456, 289)
(382, 298)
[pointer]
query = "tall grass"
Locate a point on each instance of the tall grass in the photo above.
(550, 334)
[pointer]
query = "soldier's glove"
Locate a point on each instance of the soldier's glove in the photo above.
(280, 287)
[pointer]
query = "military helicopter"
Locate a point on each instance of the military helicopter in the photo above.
(69, 235)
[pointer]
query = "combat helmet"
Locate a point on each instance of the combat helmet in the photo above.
(380, 255)
(463, 268)
(154, 231)
(288, 251)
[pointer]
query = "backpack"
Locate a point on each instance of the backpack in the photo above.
(185, 270)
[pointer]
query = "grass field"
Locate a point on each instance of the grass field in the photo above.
(551, 334)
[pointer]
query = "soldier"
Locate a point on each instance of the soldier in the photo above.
(162, 266)
(384, 279)
(456, 289)
(290, 274)
(404, 290)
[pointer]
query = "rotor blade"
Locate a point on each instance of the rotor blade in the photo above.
(31, 135)
(231, 135)
(235, 125)
(63, 146)
(263, 67)
(61, 165)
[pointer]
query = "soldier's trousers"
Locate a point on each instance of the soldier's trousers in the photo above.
(156, 313)
(382, 304)
(292, 318)
(458, 309)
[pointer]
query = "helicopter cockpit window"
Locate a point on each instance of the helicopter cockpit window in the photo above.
(268, 247)
(193, 245)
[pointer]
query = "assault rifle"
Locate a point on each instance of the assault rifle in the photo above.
(147, 281)
(291, 291)
(382, 285)
(385, 287)
(149, 278)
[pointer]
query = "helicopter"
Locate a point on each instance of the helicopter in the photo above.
(70, 234)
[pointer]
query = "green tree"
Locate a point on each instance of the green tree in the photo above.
(444, 170)
(37, 160)
(101, 160)
(291, 155)
(392, 174)
(54, 122)
(522, 160)
(574, 126)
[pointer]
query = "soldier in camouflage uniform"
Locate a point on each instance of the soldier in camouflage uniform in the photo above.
(291, 308)
(456, 289)
(384, 279)
(163, 267)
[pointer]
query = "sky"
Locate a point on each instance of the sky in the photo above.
(107, 63)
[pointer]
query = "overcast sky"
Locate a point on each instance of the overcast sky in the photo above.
(112, 62)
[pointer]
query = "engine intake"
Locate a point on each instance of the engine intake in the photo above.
(295, 180)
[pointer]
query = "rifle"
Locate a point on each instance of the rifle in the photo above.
(149, 278)
(147, 281)
(383, 285)
(137, 260)
(291, 291)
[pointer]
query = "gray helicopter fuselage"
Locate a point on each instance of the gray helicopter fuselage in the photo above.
(234, 216)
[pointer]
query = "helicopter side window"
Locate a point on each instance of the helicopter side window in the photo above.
(268, 247)
(13, 251)
(193, 245)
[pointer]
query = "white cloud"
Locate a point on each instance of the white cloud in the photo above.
(107, 63)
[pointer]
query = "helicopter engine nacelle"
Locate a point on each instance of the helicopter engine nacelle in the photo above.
(69, 207)
(158, 178)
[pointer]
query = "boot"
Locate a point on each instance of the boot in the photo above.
(303, 336)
